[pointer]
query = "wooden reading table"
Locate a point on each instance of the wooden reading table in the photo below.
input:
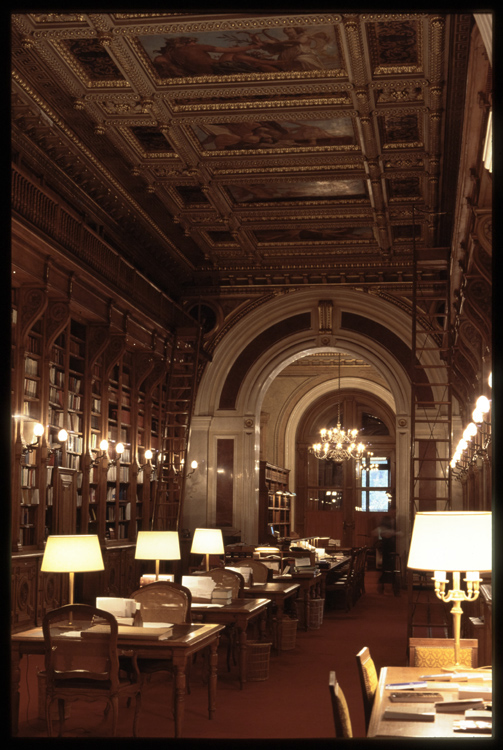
(240, 612)
(278, 592)
(180, 646)
(443, 724)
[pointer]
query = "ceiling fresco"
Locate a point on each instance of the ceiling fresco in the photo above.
(217, 146)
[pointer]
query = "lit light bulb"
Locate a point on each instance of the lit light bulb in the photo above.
(470, 431)
(38, 429)
(483, 404)
(62, 436)
(119, 448)
(477, 416)
(104, 445)
(148, 455)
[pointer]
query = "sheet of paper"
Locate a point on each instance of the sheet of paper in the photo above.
(245, 572)
(201, 587)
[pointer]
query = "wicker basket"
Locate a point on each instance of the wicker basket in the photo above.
(315, 614)
(286, 634)
(258, 660)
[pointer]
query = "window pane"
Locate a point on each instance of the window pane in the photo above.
(378, 500)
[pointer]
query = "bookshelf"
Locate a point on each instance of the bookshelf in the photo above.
(275, 507)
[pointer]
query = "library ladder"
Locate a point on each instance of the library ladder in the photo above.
(184, 375)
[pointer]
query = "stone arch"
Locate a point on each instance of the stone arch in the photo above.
(250, 357)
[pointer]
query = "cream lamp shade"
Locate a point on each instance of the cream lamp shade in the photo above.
(451, 541)
(157, 545)
(208, 542)
(72, 553)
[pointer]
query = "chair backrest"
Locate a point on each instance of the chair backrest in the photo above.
(261, 573)
(87, 658)
(439, 652)
(229, 578)
(340, 711)
(163, 601)
(369, 681)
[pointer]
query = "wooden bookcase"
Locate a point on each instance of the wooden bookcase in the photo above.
(274, 506)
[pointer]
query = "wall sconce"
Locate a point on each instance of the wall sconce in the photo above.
(193, 467)
(103, 454)
(148, 455)
(62, 438)
(119, 450)
(474, 443)
(38, 431)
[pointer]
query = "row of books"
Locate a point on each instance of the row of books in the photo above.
(124, 512)
(34, 344)
(30, 388)
(111, 494)
(123, 473)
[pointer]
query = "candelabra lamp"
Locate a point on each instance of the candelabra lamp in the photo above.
(452, 542)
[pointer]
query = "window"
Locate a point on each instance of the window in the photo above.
(376, 486)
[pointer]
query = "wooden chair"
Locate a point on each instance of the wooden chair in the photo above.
(85, 668)
(340, 711)
(369, 681)
(439, 652)
(162, 601)
(342, 583)
(261, 573)
(230, 578)
(359, 574)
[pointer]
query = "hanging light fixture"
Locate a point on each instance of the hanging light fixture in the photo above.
(337, 444)
(368, 463)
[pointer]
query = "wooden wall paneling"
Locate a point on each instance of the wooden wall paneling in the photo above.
(24, 581)
(65, 500)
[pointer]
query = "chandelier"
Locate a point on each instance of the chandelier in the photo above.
(337, 444)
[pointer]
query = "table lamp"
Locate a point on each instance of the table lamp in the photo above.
(157, 545)
(72, 553)
(208, 542)
(451, 542)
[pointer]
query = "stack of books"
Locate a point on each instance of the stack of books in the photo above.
(221, 595)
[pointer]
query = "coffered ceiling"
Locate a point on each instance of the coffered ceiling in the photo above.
(241, 151)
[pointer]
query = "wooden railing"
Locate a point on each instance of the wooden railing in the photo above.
(44, 209)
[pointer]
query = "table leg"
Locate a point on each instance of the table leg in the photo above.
(276, 624)
(180, 665)
(15, 680)
(306, 607)
(212, 681)
(243, 655)
(262, 625)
